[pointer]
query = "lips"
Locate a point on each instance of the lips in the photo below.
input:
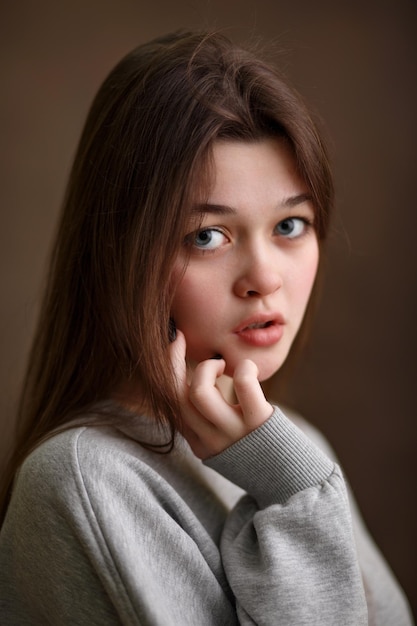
(261, 330)
(259, 321)
(257, 325)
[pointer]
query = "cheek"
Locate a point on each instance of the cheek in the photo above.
(195, 313)
(193, 298)
(306, 277)
(188, 298)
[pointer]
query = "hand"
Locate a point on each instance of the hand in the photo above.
(210, 423)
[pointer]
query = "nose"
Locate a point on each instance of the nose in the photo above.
(259, 273)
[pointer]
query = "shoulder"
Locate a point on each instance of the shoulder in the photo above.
(89, 486)
(103, 472)
(70, 452)
(80, 466)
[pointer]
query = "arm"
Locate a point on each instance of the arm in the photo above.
(288, 547)
(386, 600)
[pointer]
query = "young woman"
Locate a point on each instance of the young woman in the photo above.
(153, 482)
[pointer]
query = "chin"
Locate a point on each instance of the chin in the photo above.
(267, 373)
(267, 363)
(267, 367)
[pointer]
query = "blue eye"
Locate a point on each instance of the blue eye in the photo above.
(292, 227)
(206, 239)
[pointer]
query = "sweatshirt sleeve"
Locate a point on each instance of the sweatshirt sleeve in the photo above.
(288, 547)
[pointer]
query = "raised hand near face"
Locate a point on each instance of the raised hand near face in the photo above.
(210, 423)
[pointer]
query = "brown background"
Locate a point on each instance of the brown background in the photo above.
(356, 63)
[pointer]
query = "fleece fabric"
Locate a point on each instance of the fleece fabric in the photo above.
(103, 531)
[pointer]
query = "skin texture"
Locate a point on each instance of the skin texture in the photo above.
(253, 261)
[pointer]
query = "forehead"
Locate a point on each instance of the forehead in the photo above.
(240, 169)
(250, 179)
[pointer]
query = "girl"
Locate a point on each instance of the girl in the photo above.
(185, 260)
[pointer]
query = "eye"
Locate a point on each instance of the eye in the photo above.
(292, 227)
(206, 239)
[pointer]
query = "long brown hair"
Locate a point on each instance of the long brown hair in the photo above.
(142, 157)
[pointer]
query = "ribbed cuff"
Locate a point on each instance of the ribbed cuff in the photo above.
(273, 462)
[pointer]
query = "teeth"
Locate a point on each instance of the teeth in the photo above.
(258, 325)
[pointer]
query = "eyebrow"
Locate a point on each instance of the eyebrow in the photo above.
(222, 209)
(296, 200)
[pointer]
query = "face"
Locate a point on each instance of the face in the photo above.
(253, 259)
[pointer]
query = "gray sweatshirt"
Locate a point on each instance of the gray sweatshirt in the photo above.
(101, 531)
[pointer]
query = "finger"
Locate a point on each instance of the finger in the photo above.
(177, 350)
(203, 393)
(217, 417)
(255, 407)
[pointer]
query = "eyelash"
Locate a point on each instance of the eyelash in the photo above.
(190, 240)
(307, 225)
